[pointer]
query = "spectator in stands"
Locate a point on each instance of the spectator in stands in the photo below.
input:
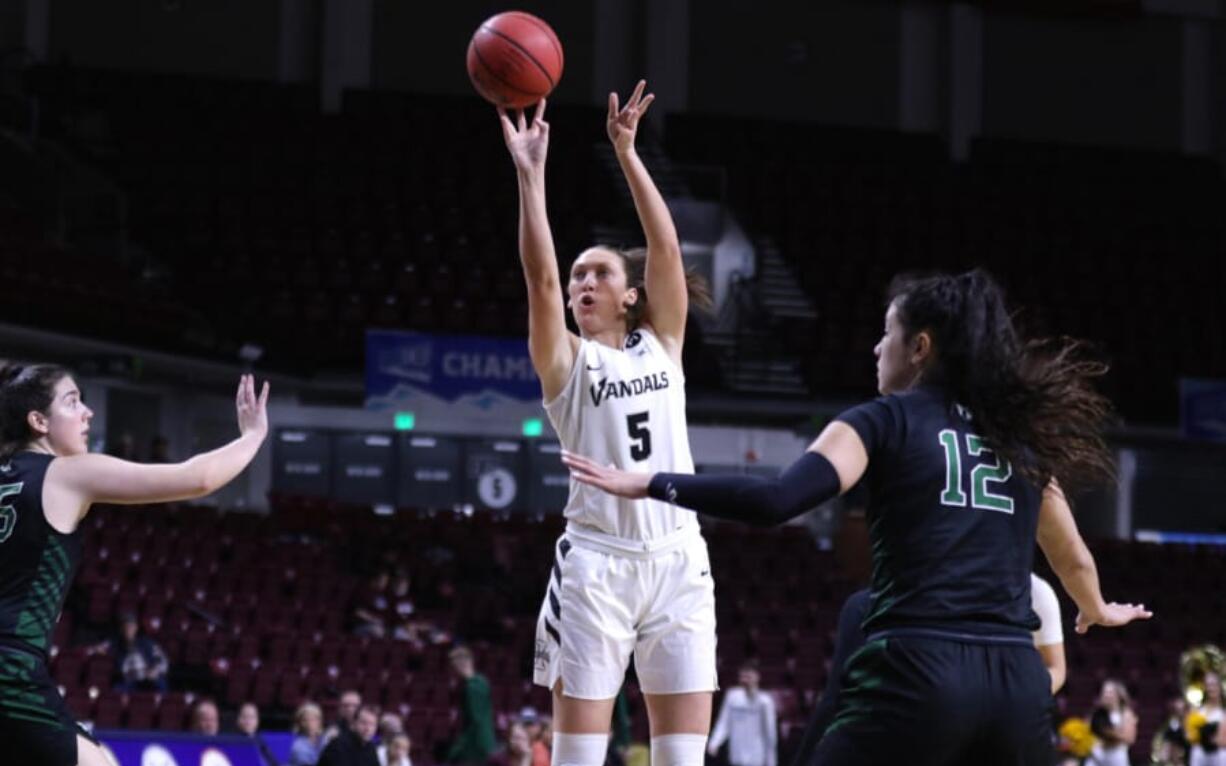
(398, 751)
(518, 751)
(536, 725)
(1115, 724)
(370, 607)
(475, 743)
(205, 720)
(248, 725)
(350, 701)
(1170, 746)
(390, 725)
(308, 741)
(747, 722)
(542, 748)
(401, 607)
(142, 665)
(355, 745)
(1211, 737)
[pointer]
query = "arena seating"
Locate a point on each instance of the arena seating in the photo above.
(256, 218)
(262, 220)
(1120, 247)
(256, 607)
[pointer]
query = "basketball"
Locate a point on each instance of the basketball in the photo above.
(514, 59)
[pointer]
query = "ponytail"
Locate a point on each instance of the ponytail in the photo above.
(1033, 401)
(634, 260)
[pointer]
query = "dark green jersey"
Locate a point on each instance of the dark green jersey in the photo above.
(952, 524)
(37, 563)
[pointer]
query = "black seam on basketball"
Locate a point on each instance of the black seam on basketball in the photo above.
(553, 39)
(486, 67)
(525, 51)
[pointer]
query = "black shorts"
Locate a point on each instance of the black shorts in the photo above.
(933, 701)
(34, 720)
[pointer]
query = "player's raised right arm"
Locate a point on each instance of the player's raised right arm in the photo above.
(551, 345)
(78, 481)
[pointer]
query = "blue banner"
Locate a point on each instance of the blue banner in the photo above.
(155, 748)
(403, 365)
(1202, 408)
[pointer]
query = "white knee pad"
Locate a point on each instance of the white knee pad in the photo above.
(678, 750)
(579, 749)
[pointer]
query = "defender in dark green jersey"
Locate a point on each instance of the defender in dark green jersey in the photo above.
(961, 458)
(48, 481)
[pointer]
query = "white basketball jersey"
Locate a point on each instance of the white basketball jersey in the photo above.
(625, 407)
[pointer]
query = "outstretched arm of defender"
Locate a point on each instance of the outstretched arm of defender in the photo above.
(832, 465)
(81, 480)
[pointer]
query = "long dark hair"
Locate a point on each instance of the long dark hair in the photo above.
(24, 388)
(1033, 401)
(634, 260)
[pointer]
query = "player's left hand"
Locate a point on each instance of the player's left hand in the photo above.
(608, 478)
(1113, 616)
(623, 123)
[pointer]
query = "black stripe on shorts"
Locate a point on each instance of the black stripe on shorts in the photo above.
(551, 630)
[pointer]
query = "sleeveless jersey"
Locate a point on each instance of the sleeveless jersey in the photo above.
(37, 563)
(625, 407)
(952, 524)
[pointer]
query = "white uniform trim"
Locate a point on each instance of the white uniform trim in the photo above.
(1045, 604)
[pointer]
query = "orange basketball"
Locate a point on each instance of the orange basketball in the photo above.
(514, 59)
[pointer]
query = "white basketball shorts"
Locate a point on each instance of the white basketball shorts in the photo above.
(606, 602)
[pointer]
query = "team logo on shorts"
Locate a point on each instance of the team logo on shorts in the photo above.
(542, 655)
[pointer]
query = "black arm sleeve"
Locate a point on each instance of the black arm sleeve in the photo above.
(756, 500)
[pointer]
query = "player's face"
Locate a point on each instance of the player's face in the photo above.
(597, 291)
(895, 369)
(67, 419)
